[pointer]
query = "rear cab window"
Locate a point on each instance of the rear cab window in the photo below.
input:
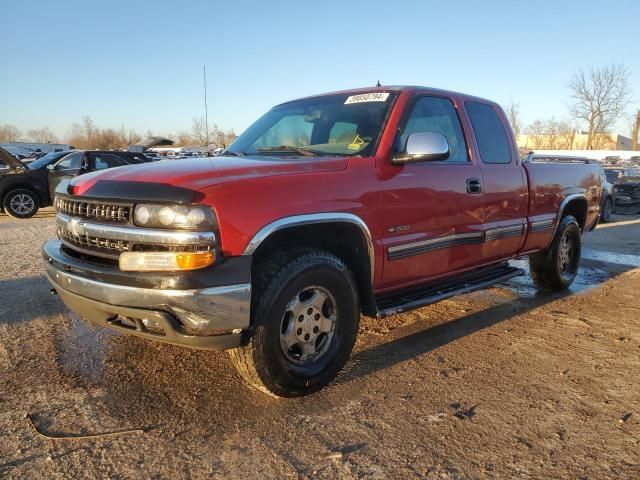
(492, 139)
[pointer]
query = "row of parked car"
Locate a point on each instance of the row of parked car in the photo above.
(27, 186)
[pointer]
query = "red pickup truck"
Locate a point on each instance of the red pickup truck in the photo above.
(371, 201)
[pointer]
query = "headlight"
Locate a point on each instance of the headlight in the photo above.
(190, 217)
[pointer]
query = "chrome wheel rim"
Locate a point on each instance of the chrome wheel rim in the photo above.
(308, 325)
(22, 204)
(565, 252)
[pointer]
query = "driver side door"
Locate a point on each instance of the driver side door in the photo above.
(432, 210)
(67, 167)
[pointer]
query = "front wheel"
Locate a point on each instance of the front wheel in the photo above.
(21, 203)
(555, 268)
(305, 321)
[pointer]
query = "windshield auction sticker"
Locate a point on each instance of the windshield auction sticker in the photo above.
(367, 97)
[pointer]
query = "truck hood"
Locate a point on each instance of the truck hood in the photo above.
(199, 173)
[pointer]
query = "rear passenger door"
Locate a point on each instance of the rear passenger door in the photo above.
(506, 193)
(432, 210)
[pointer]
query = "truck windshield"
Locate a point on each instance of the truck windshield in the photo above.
(330, 125)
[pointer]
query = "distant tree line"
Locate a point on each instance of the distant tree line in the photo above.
(599, 97)
(86, 135)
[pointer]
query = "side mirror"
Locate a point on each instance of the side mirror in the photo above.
(51, 167)
(423, 147)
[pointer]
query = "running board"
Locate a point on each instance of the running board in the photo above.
(434, 292)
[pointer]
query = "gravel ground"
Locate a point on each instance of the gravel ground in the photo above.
(496, 384)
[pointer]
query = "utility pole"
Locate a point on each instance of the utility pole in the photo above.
(206, 112)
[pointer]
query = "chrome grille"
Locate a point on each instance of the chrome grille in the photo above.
(112, 248)
(103, 247)
(106, 212)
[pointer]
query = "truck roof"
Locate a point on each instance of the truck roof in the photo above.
(396, 88)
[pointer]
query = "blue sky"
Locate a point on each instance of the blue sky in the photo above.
(139, 64)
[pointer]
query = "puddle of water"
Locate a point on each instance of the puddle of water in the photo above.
(588, 277)
(82, 349)
(611, 257)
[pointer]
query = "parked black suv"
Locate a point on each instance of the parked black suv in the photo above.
(26, 188)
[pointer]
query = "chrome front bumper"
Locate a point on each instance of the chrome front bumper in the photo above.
(209, 309)
(200, 312)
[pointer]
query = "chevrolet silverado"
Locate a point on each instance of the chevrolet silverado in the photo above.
(371, 201)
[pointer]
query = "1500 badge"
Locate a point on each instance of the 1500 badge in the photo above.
(399, 228)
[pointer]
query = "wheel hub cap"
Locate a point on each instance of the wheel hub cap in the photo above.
(565, 252)
(22, 204)
(308, 325)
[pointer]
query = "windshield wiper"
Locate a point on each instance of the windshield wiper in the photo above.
(233, 154)
(307, 152)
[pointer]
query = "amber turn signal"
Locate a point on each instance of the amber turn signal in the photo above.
(193, 261)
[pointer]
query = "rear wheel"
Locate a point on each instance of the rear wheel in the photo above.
(555, 268)
(21, 203)
(305, 318)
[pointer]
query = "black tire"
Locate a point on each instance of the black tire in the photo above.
(21, 203)
(284, 280)
(607, 210)
(555, 268)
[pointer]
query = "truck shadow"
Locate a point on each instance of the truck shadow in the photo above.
(415, 344)
(401, 349)
(23, 299)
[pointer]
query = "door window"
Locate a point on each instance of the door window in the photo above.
(72, 161)
(103, 161)
(490, 134)
(438, 115)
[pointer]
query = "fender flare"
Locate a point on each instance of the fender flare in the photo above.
(312, 219)
(568, 199)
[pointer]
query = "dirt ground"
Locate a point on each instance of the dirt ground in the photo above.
(496, 384)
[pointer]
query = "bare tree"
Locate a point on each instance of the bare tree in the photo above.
(200, 135)
(133, 138)
(537, 131)
(199, 131)
(183, 138)
(89, 128)
(550, 134)
(9, 133)
(42, 135)
(513, 114)
(599, 98)
(635, 131)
